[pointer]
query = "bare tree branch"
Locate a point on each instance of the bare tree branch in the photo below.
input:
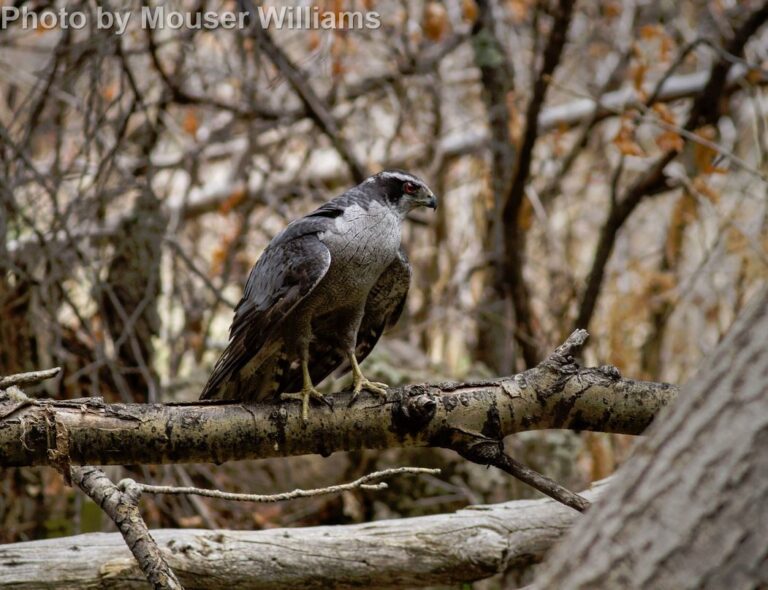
(122, 508)
(557, 117)
(555, 394)
(121, 505)
(31, 378)
(540, 482)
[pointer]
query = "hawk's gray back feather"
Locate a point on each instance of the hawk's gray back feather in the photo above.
(287, 271)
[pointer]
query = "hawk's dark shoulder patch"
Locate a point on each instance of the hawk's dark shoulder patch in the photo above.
(329, 211)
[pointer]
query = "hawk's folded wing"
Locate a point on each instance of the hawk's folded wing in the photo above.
(384, 305)
(288, 270)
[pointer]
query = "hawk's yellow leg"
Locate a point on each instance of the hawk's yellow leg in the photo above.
(360, 381)
(307, 391)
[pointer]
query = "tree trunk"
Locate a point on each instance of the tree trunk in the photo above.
(129, 297)
(690, 509)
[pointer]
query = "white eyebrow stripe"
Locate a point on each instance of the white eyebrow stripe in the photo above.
(401, 176)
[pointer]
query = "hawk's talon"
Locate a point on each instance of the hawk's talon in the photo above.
(303, 396)
(373, 386)
(361, 383)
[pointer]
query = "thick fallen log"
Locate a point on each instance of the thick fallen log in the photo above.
(471, 418)
(468, 545)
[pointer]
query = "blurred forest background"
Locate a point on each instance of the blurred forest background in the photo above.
(142, 174)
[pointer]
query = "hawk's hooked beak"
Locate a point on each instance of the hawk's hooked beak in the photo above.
(430, 201)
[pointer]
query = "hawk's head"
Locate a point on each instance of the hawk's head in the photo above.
(401, 190)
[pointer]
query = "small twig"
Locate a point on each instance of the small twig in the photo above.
(121, 505)
(541, 482)
(361, 483)
(571, 346)
(186, 259)
(28, 378)
(489, 450)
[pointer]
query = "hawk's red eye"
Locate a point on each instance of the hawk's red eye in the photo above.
(410, 188)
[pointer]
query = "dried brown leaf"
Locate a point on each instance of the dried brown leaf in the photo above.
(704, 156)
(469, 11)
(638, 76)
(625, 140)
(233, 200)
(702, 186)
(190, 124)
(670, 140)
(651, 31)
(612, 9)
(664, 113)
(435, 21)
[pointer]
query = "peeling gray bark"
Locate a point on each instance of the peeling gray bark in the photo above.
(690, 508)
(461, 416)
(470, 544)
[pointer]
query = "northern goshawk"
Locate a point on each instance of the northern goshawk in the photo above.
(321, 294)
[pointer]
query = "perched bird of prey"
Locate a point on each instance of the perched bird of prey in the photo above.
(321, 294)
